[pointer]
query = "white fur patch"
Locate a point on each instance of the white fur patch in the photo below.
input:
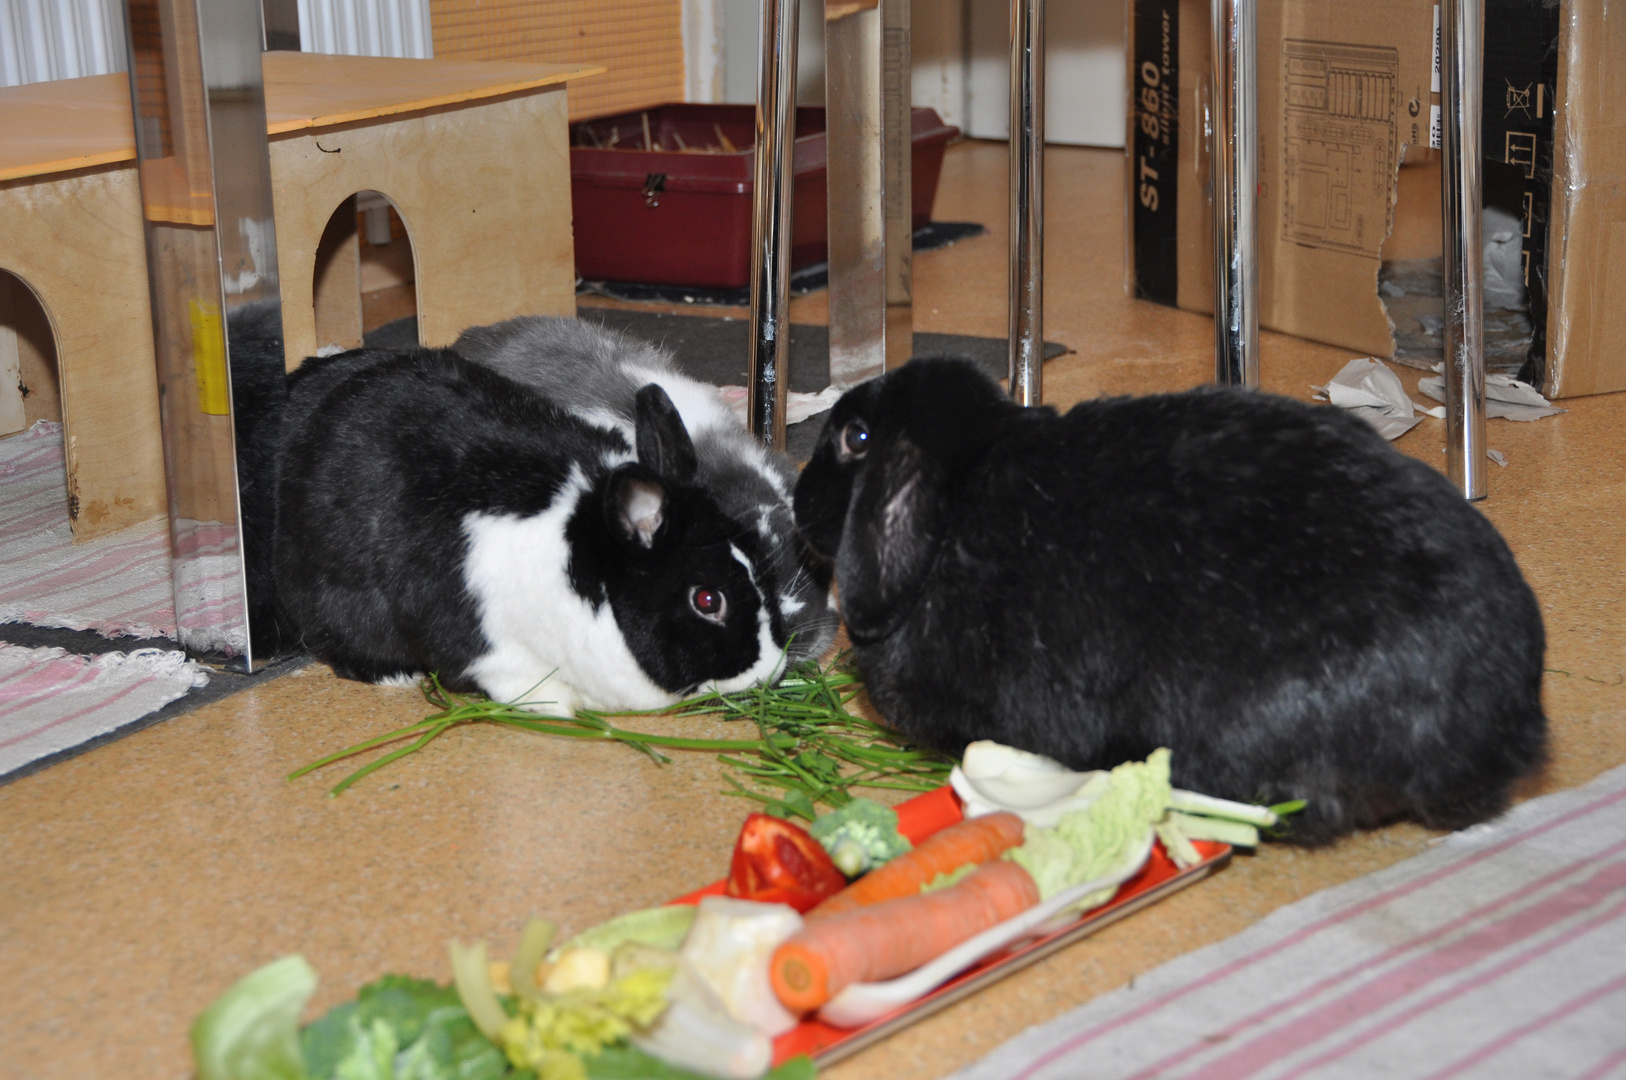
(551, 651)
(403, 680)
(699, 404)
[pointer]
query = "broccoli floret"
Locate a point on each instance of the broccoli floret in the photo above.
(860, 835)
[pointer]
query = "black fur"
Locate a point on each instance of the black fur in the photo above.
(1293, 607)
(385, 454)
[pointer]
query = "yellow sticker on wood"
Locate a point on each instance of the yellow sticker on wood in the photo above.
(209, 358)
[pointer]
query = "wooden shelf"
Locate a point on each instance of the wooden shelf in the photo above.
(68, 124)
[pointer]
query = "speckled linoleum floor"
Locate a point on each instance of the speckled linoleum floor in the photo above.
(140, 879)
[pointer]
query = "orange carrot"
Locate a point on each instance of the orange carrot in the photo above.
(974, 840)
(885, 940)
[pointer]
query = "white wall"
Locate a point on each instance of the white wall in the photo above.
(1085, 47)
(961, 62)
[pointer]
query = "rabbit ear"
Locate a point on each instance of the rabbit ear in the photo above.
(890, 540)
(664, 445)
(635, 508)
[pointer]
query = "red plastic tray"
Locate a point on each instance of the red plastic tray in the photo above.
(918, 818)
(696, 229)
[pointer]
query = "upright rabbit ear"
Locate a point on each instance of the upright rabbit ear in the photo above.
(891, 538)
(636, 506)
(664, 445)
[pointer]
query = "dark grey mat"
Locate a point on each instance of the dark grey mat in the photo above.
(88, 642)
(717, 350)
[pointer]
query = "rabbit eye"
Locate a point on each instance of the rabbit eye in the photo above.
(708, 604)
(855, 439)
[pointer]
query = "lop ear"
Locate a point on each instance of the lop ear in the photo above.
(664, 446)
(635, 507)
(892, 534)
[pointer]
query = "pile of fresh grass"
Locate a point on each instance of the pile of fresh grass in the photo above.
(810, 746)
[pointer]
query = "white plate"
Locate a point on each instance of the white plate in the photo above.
(860, 1003)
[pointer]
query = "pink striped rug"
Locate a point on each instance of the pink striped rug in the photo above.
(52, 700)
(1499, 953)
(118, 586)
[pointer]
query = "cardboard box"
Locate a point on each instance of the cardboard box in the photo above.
(1344, 92)
(1586, 242)
(1348, 93)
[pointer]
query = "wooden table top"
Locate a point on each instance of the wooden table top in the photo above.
(76, 123)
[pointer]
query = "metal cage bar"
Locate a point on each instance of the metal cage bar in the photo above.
(771, 223)
(1026, 288)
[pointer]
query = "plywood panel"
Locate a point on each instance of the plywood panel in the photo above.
(484, 191)
(56, 231)
(639, 42)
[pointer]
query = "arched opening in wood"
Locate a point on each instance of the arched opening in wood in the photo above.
(30, 386)
(365, 288)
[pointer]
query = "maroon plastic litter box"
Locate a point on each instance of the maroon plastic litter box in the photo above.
(663, 196)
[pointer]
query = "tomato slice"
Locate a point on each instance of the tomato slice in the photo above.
(777, 862)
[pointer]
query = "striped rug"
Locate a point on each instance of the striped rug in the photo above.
(118, 585)
(1501, 952)
(52, 701)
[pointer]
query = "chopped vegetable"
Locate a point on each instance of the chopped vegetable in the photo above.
(582, 1022)
(631, 1063)
(1237, 833)
(1191, 802)
(1178, 845)
(884, 940)
(1018, 779)
(471, 975)
(976, 840)
(1092, 842)
(527, 965)
(697, 1032)
(664, 927)
(578, 969)
(729, 947)
(777, 862)
(401, 1028)
(861, 835)
(251, 1032)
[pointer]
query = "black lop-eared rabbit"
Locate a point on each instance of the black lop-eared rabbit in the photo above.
(1293, 607)
(432, 514)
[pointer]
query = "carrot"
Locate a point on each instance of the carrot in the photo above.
(974, 840)
(885, 940)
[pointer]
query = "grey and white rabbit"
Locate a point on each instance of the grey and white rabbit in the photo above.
(1295, 608)
(595, 373)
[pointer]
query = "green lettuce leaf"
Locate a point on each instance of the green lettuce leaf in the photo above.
(251, 1032)
(1094, 841)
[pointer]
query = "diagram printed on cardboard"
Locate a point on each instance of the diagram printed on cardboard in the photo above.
(1338, 144)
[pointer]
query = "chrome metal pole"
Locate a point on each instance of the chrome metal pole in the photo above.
(198, 100)
(1461, 71)
(771, 223)
(867, 136)
(1236, 188)
(1026, 290)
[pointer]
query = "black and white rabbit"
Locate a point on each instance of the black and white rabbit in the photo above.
(1268, 588)
(596, 373)
(434, 515)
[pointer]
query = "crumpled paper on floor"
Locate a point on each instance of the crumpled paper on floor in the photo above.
(1505, 397)
(1367, 388)
(798, 406)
